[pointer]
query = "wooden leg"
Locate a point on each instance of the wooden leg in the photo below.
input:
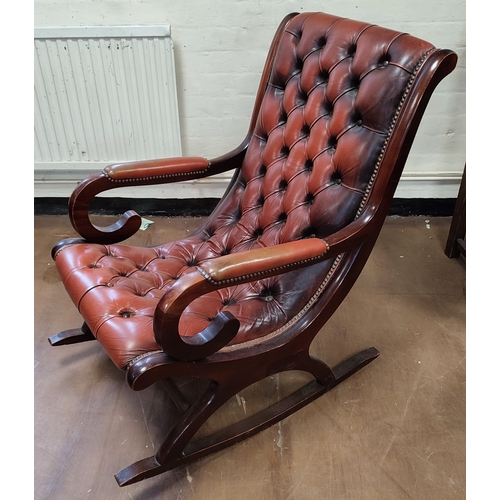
(177, 449)
(287, 406)
(171, 450)
(455, 244)
(73, 336)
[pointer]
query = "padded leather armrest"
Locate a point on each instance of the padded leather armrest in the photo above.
(139, 173)
(260, 262)
(156, 171)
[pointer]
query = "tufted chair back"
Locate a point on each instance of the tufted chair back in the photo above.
(327, 111)
(322, 126)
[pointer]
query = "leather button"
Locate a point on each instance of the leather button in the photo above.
(309, 198)
(323, 76)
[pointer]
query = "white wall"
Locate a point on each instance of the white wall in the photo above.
(220, 49)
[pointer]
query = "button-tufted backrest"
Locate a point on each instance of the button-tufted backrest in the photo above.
(333, 92)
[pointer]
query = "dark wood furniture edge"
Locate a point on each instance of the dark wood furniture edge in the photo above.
(455, 245)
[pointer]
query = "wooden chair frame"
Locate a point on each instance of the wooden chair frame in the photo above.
(202, 358)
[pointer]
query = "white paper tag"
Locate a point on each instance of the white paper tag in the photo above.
(145, 223)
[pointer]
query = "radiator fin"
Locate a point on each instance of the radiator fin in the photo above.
(104, 95)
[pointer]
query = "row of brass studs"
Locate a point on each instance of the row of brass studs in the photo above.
(391, 129)
(259, 274)
(155, 177)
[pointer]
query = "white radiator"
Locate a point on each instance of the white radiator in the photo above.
(102, 95)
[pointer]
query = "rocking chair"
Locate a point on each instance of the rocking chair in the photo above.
(243, 297)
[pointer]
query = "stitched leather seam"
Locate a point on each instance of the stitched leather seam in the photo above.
(317, 119)
(356, 190)
(314, 157)
(260, 137)
(274, 86)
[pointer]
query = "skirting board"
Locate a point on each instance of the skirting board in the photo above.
(57, 181)
(202, 207)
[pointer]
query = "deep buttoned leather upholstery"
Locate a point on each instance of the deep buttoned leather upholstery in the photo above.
(327, 112)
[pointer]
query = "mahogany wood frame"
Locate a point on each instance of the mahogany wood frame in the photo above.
(202, 358)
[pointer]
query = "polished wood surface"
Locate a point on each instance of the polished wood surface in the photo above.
(396, 431)
(455, 245)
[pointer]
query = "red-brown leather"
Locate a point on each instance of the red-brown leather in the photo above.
(151, 169)
(262, 260)
(334, 89)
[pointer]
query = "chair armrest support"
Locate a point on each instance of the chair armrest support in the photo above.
(260, 263)
(355, 233)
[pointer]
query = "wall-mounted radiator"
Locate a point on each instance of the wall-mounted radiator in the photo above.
(102, 95)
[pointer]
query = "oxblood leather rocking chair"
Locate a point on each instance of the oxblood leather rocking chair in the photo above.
(244, 296)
